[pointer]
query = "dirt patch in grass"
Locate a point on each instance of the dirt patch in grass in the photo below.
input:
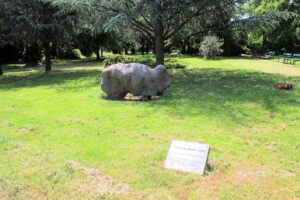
(71, 121)
(25, 131)
(213, 186)
(99, 183)
(3, 194)
(283, 126)
(152, 137)
(20, 148)
(130, 97)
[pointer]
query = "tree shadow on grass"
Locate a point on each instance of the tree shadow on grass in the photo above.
(60, 80)
(213, 59)
(204, 91)
(226, 93)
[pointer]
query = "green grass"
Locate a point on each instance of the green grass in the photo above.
(47, 120)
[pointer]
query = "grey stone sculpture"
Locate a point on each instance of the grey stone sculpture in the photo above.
(135, 78)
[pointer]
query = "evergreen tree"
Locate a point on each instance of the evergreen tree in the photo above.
(284, 18)
(157, 20)
(40, 22)
(93, 42)
(5, 29)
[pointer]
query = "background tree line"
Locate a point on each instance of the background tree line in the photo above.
(35, 30)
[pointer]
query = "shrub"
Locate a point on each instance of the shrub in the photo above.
(114, 59)
(127, 59)
(67, 53)
(211, 46)
(146, 61)
(117, 59)
(172, 63)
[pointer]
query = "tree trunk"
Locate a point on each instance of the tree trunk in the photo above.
(159, 42)
(147, 48)
(143, 49)
(133, 51)
(153, 47)
(264, 42)
(98, 53)
(126, 51)
(101, 52)
(1, 70)
(189, 50)
(47, 57)
(183, 48)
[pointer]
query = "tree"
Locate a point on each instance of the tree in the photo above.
(160, 20)
(92, 36)
(285, 20)
(5, 29)
(92, 42)
(157, 20)
(40, 22)
(211, 46)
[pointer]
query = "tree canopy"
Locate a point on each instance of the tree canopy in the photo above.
(156, 20)
(41, 27)
(40, 22)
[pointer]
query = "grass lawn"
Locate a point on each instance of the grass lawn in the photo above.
(61, 139)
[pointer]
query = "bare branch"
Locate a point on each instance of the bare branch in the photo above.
(197, 13)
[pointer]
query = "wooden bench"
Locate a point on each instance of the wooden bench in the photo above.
(285, 57)
(270, 54)
(296, 57)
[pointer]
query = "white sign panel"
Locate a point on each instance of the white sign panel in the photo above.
(187, 156)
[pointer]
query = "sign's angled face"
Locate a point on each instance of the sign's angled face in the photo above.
(187, 156)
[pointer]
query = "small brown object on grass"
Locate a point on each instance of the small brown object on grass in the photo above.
(288, 86)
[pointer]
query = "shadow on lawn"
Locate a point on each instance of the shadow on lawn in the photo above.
(193, 91)
(224, 93)
(219, 58)
(61, 80)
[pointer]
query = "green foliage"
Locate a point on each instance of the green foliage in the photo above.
(211, 46)
(128, 59)
(169, 62)
(117, 59)
(173, 63)
(65, 53)
(42, 25)
(157, 20)
(283, 16)
(40, 20)
(32, 53)
(91, 42)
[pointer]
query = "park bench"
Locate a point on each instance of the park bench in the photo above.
(270, 54)
(285, 57)
(296, 57)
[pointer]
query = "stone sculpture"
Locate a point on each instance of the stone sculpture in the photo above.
(134, 78)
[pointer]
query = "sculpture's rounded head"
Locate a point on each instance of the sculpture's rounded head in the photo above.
(163, 79)
(161, 68)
